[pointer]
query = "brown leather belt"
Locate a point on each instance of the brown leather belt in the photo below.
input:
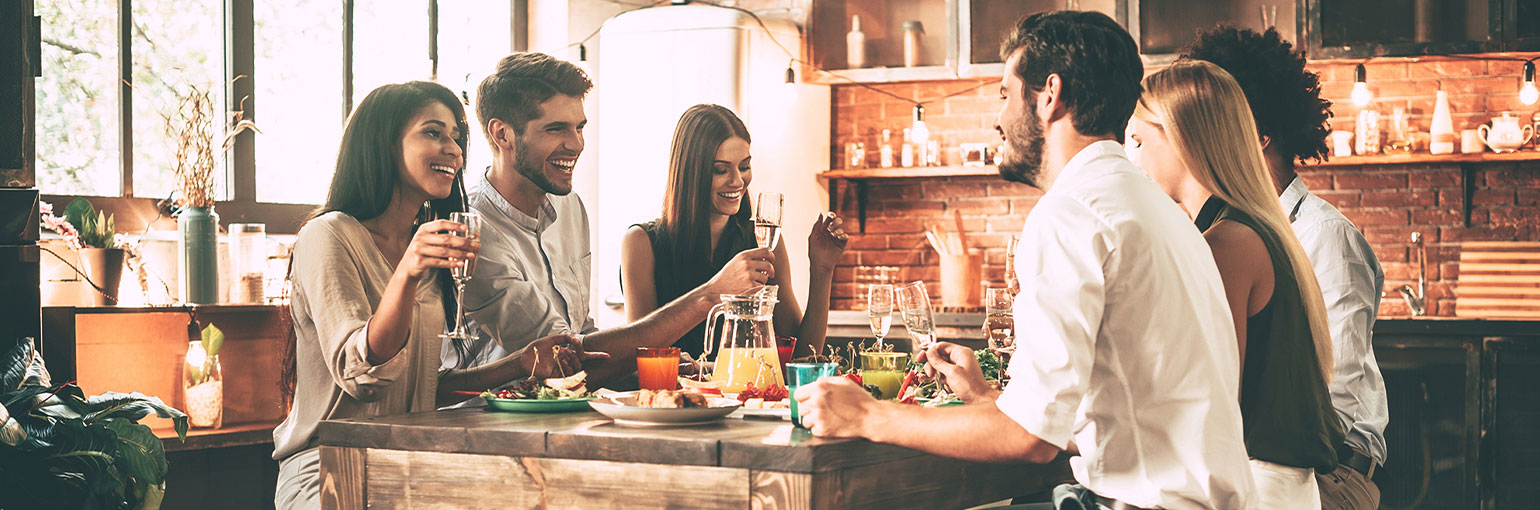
(1358, 461)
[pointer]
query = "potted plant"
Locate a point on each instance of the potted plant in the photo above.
(100, 251)
(192, 127)
(61, 449)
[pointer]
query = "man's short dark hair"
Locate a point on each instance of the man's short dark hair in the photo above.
(1096, 60)
(1285, 98)
(524, 80)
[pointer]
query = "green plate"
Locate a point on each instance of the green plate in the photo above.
(520, 405)
(949, 403)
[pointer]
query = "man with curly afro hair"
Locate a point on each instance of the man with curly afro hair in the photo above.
(1292, 119)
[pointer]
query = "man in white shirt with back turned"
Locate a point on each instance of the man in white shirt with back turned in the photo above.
(1292, 120)
(1125, 346)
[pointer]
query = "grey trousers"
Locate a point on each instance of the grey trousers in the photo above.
(1346, 489)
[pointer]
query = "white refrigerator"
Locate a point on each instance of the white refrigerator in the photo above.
(658, 62)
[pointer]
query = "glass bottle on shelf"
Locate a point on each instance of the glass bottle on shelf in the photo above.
(203, 387)
(914, 37)
(906, 158)
(887, 148)
(855, 45)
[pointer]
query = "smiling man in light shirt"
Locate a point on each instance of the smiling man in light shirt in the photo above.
(533, 271)
(1292, 120)
(1126, 346)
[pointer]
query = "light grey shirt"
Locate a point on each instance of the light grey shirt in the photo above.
(338, 277)
(532, 276)
(1351, 281)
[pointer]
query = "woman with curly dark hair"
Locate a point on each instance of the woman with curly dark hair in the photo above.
(1291, 119)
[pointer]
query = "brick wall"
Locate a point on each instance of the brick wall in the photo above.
(1387, 202)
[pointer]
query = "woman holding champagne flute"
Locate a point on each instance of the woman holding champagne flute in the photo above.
(370, 291)
(706, 221)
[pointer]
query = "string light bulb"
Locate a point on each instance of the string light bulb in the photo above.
(1361, 94)
(919, 133)
(791, 72)
(582, 62)
(1528, 94)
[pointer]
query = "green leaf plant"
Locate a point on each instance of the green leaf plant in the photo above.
(61, 449)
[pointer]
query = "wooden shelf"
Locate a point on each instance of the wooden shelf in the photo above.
(902, 74)
(1425, 158)
(909, 172)
(222, 437)
(860, 176)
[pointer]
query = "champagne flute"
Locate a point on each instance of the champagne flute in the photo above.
(767, 219)
(462, 273)
(879, 307)
(914, 303)
(1000, 321)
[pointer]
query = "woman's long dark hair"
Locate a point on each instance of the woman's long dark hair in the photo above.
(687, 199)
(369, 171)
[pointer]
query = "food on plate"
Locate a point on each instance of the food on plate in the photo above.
(670, 399)
(917, 384)
(571, 387)
(702, 387)
(772, 393)
(759, 403)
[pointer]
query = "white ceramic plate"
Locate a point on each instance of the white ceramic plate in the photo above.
(622, 408)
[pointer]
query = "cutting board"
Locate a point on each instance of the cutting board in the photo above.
(1499, 280)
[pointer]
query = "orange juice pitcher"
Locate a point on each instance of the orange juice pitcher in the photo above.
(745, 343)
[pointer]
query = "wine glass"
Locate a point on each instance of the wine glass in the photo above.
(879, 307)
(914, 303)
(462, 273)
(999, 322)
(767, 219)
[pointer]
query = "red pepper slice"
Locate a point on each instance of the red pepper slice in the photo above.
(909, 378)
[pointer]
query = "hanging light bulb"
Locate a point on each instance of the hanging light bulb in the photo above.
(1528, 94)
(582, 62)
(1361, 94)
(919, 133)
(791, 73)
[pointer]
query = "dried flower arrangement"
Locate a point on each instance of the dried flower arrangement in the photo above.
(192, 127)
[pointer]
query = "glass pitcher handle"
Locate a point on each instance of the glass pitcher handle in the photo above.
(711, 328)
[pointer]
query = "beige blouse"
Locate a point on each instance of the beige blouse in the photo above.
(338, 277)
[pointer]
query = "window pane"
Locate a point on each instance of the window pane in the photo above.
(178, 44)
(390, 44)
(472, 38)
(77, 98)
(299, 87)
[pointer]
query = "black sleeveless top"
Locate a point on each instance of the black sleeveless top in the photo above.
(673, 274)
(1285, 405)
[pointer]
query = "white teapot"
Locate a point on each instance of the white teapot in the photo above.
(1505, 134)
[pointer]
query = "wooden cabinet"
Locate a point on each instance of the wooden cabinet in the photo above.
(1353, 29)
(1163, 27)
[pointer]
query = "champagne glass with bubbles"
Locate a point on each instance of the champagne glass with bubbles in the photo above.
(462, 273)
(914, 304)
(767, 219)
(879, 307)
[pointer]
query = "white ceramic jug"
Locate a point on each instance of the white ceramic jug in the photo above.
(1505, 134)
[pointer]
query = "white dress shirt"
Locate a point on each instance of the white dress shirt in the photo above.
(1126, 342)
(531, 279)
(1351, 280)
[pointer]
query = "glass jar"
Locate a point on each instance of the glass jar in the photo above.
(203, 387)
(914, 36)
(248, 260)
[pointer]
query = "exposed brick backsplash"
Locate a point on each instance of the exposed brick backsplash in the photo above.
(1387, 202)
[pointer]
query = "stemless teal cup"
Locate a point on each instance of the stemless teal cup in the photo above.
(798, 374)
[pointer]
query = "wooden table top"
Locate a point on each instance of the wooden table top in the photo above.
(730, 442)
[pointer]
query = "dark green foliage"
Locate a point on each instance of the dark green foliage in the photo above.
(73, 451)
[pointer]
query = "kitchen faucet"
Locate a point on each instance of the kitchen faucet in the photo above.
(1416, 299)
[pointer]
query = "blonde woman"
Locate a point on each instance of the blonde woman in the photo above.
(1194, 135)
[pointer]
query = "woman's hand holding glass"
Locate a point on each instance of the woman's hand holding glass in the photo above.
(749, 269)
(435, 247)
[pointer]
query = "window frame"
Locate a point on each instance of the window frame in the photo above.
(138, 214)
